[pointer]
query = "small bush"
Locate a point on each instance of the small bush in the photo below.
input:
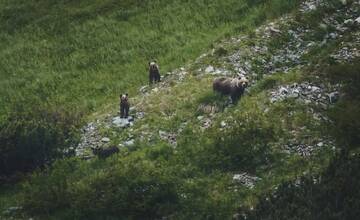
(346, 113)
(134, 188)
(31, 139)
(330, 195)
(244, 146)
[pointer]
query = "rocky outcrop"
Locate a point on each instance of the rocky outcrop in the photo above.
(307, 92)
(246, 179)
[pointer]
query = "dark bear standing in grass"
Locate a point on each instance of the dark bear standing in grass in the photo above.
(105, 152)
(124, 106)
(154, 73)
(234, 87)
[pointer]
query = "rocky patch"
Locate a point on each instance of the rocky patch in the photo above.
(169, 137)
(210, 70)
(91, 137)
(348, 51)
(246, 180)
(205, 122)
(307, 150)
(307, 92)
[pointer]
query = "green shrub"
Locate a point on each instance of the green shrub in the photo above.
(243, 146)
(30, 139)
(345, 114)
(326, 196)
(134, 188)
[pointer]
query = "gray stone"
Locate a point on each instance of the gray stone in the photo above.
(294, 95)
(357, 20)
(144, 89)
(333, 35)
(129, 143)
(140, 115)
(105, 139)
(349, 22)
(283, 90)
(246, 179)
(334, 97)
(209, 69)
(121, 122)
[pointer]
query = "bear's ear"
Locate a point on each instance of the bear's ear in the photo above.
(126, 94)
(149, 63)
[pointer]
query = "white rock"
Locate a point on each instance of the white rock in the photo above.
(162, 134)
(219, 72)
(334, 97)
(283, 90)
(333, 35)
(315, 88)
(349, 22)
(274, 30)
(129, 143)
(209, 69)
(121, 122)
(357, 20)
(105, 139)
(144, 89)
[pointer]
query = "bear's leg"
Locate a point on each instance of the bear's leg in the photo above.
(234, 98)
(127, 112)
(151, 78)
(122, 109)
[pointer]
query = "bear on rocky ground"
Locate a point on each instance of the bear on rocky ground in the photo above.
(105, 152)
(124, 106)
(234, 87)
(154, 73)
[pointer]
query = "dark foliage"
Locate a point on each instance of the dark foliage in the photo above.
(31, 139)
(328, 196)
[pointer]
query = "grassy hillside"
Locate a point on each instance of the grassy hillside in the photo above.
(288, 149)
(62, 60)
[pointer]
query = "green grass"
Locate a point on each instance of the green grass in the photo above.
(192, 180)
(154, 179)
(62, 61)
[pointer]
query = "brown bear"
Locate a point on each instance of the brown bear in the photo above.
(154, 73)
(234, 87)
(103, 153)
(124, 106)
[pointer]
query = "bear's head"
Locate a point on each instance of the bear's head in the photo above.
(153, 65)
(243, 81)
(124, 97)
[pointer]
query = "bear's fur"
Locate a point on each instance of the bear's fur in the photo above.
(105, 152)
(234, 87)
(154, 72)
(124, 106)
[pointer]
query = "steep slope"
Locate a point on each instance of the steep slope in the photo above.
(62, 60)
(190, 154)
